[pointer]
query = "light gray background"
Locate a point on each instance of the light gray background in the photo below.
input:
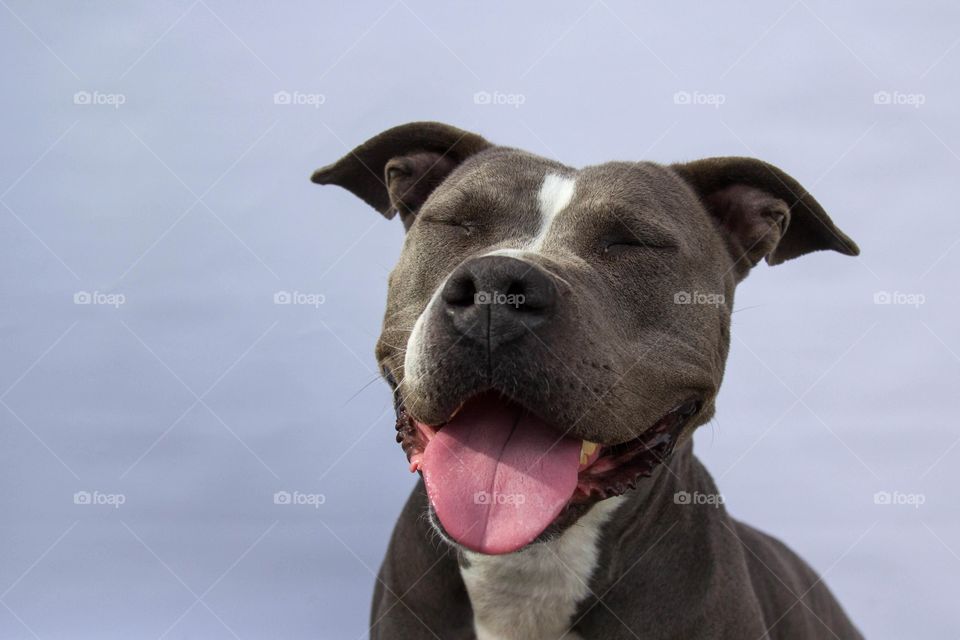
(198, 398)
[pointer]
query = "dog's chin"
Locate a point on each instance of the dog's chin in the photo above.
(603, 470)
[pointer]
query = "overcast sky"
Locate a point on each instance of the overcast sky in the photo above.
(155, 201)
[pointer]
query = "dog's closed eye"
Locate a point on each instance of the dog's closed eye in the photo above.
(624, 232)
(614, 245)
(465, 226)
(623, 238)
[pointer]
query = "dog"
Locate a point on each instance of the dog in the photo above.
(553, 337)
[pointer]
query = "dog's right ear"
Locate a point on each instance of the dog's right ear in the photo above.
(395, 171)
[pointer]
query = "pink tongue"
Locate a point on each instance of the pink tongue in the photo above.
(498, 476)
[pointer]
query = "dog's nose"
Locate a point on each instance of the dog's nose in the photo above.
(498, 298)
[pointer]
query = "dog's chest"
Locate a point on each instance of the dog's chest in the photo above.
(533, 594)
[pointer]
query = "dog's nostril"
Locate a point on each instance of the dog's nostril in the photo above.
(521, 299)
(460, 292)
(518, 289)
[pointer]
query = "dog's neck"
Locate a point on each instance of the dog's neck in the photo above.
(536, 593)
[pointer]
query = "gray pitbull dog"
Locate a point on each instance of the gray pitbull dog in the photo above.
(553, 337)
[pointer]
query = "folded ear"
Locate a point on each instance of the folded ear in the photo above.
(396, 171)
(762, 212)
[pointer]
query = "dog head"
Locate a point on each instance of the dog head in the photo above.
(552, 334)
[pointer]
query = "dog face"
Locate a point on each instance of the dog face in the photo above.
(555, 328)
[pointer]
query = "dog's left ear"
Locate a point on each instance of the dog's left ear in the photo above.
(762, 212)
(395, 171)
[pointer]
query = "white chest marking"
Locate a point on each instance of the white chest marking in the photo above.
(533, 594)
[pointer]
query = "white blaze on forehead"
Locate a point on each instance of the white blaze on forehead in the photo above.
(555, 194)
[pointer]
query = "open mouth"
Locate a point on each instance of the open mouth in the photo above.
(497, 475)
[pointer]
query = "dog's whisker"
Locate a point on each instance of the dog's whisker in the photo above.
(361, 390)
(754, 306)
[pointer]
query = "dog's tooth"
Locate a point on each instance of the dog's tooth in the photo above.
(587, 449)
